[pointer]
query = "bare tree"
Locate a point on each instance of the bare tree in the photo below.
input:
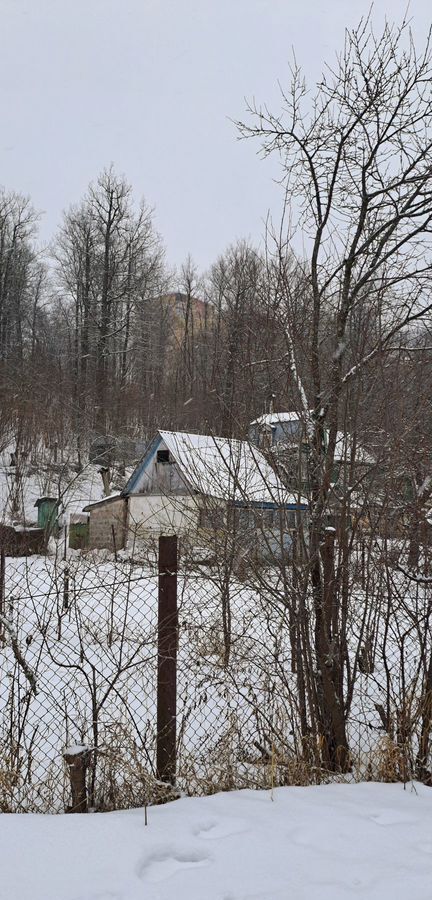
(356, 161)
(110, 263)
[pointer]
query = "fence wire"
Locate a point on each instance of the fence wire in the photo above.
(78, 667)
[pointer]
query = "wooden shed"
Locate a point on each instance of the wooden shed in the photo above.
(21, 541)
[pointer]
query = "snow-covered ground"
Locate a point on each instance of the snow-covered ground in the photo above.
(41, 477)
(334, 842)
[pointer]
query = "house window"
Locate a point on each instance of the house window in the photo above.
(286, 519)
(212, 519)
(260, 518)
(268, 517)
(290, 518)
(163, 456)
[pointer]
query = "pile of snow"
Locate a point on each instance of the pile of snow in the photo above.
(317, 843)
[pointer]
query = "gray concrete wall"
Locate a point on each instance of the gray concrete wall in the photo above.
(102, 520)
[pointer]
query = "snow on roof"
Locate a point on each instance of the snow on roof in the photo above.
(115, 496)
(344, 449)
(274, 418)
(225, 468)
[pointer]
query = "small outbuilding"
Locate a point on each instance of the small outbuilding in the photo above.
(21, 540)
(78, 531)
(48, 512)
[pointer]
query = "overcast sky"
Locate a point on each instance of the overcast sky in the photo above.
(151, 85)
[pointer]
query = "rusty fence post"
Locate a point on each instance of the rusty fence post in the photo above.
(167, 660)
(77, 759)
(2, 589)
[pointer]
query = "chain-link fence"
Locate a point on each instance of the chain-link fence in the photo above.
(88, 667)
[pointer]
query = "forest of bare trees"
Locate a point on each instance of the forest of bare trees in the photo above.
(113, 342)
(98, 337)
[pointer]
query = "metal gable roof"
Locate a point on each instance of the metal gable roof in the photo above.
(226, 469)
(223, 468)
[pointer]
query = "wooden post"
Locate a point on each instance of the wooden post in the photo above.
(65, 575)
(2, 588)
(167, 660)
(114, 540)
(77, 759)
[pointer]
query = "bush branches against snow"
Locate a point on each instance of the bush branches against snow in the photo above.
(20, 658)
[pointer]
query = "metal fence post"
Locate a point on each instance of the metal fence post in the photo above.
(2, 588)
(167, 660)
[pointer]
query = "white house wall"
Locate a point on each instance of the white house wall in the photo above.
(153, 514)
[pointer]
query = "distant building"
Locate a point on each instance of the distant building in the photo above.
(285, 438)
(275, 428)
(108, 450)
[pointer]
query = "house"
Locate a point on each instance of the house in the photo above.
(284, 436)
(275, 428)
(196, 485)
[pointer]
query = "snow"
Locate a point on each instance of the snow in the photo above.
(75, 750)
(335, 842)
(275, 418)
(38, 479)
(113, 496)
(425, 486)
(340, 350)
(343, 449)
(225, 468)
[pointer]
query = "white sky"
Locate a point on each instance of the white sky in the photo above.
(150, 85)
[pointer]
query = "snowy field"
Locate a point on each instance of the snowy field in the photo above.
(333, 842)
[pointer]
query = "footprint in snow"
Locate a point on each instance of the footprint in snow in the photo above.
(105, 895)
(425, 848)
(214, 829)
(388, 817)
(168, 863)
